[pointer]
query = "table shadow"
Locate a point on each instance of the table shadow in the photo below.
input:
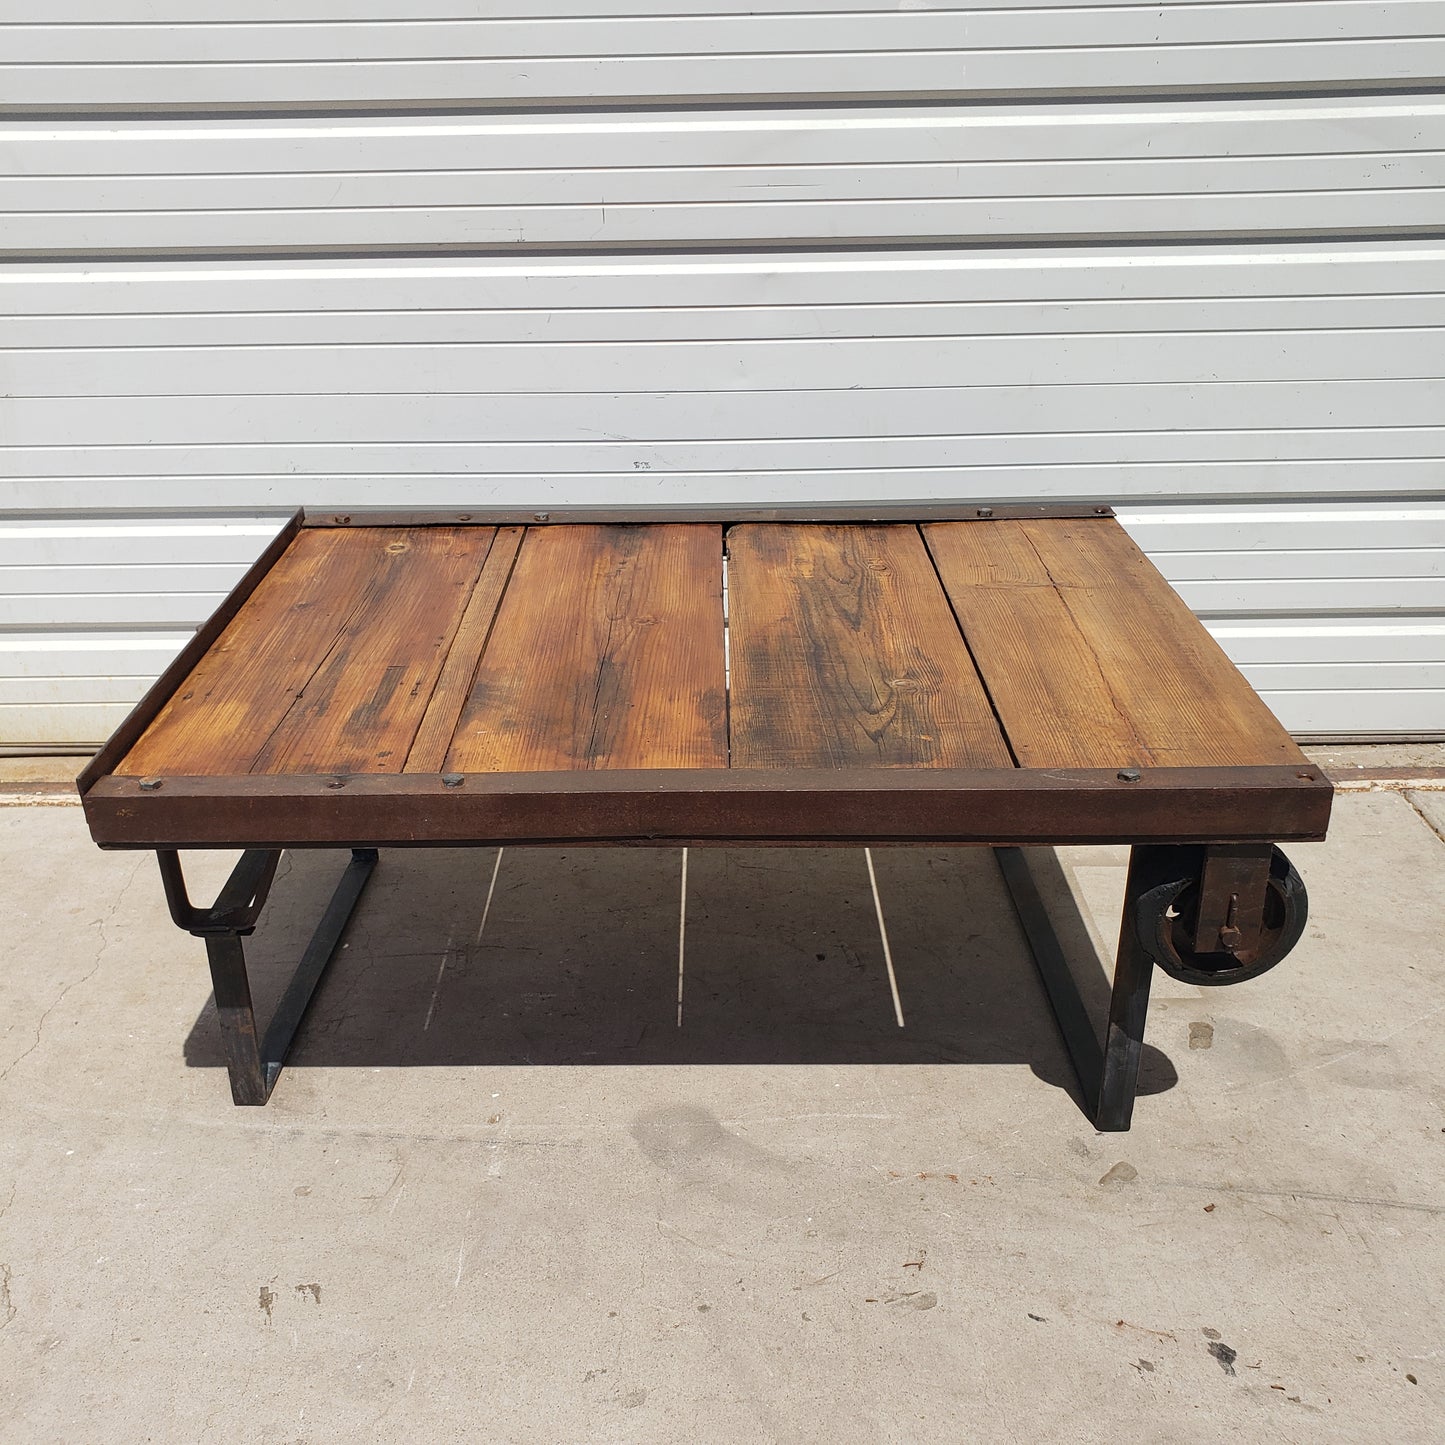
(570, 957)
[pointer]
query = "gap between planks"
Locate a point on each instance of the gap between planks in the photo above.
(481, 928)
(682, 935)
(681, 938)
(883, 938)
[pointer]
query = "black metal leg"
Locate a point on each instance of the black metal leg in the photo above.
(1128, 1005)
(238, 1019)
(254, 1060)
(1108, 1073)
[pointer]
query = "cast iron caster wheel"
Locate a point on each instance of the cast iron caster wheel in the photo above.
(1165, 922)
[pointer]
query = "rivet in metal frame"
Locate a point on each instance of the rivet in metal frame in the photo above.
(452, 780)
(1129, 775)
(336, 782)
(341, 521)
(985, 511)
(540, 516)
(150, 785)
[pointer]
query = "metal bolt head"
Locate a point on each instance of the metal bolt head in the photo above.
(985, 511)
(336, 782)
(452, 780)
(1129, 775)
(540, 516)
(150, 785)
(341, 521)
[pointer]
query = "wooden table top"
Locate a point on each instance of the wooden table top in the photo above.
(378, 658)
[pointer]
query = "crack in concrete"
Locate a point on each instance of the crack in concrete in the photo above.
(1424, 817)
(105, 943)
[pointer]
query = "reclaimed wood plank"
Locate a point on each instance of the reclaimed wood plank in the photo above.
(454, 685)
(1045, 679)
(361, 708)
(607, 653)
(220, 716)
(845, 654)
(1092, 659)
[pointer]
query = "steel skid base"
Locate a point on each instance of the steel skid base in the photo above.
(1207, 915)
(254, 1059)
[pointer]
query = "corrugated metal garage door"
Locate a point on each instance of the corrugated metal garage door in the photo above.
(1187, 259)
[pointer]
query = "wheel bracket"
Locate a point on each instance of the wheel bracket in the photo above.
(254, 1058)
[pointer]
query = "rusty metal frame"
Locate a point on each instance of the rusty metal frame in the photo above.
(723, 805)
(255, 1057)
(706, 512)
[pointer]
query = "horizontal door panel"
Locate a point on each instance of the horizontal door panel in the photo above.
(214, 330)
(1327, 640)
(81, 725)
(1358, 565)
(70, 691)
(148, 542)
(1302, 595)
(128, 609)
(342, 479)
(743, 221)
(783, 32)
(745, 365)
(976, 51)
(40, 655)
(1295, 527)
(393, 289)
(1037, 172)
(79, 579)
(1411, 713)
(1233, 418)
(179, 12)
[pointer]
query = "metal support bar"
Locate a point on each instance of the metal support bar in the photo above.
(237, 906)
(1128, 1001)
(1108, 1072)
(254, 1060)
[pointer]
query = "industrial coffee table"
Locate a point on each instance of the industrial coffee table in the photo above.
(997, 676)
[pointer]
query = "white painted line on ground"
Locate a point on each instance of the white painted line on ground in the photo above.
(681, 935)
(883, 936)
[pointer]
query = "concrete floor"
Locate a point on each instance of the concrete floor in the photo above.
(499, 1195)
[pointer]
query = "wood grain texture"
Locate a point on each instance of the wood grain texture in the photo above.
(221, 716)
(454, 685)
(845, 654)
(1044, 677)
(185, 662)
(607, 653)
(361, 708)
(1091, 658)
